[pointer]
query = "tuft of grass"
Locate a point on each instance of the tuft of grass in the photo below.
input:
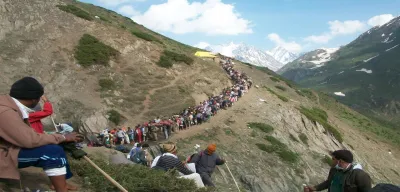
(76, 11)
(280, 149)
(274, 141)
(253, 133)
(106, 84)
(284, 99)
(303, 137)
(90, 51)
(129, 175)
(261, 126)
(165, 62)
(320, 116)
(114, 116)
(300, 93)
(274, 79)
(288, 156)
(293, 138)
(280, 87)
(262, 146)
(146, 36)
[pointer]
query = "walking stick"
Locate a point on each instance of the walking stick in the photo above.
(116, 184)
(232, 177)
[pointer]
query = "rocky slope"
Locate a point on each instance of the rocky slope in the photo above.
(38, 39)
(365, 71)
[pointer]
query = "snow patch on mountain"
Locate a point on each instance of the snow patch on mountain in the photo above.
(365, 70)
(323, 57)
(340, 94)
(392, 48)
(247, 54)
(369, 59)
(282, 55)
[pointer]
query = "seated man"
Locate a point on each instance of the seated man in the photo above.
(21, 146)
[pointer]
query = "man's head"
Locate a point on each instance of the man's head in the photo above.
(342, 158)
(170, 148)
(211, 149)
(28, 91)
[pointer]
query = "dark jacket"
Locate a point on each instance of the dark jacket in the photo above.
(206, 163)
(354, 180)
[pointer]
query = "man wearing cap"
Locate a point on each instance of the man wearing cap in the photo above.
(344, 176)
(206, 161)
(21, 146)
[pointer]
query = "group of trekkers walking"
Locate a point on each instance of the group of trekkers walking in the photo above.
(188, 117)
(23, 142)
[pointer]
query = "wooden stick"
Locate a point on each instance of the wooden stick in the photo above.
(116, 184)
(105, 175)
(232, 177)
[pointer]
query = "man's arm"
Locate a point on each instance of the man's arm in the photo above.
(219, 161)
(363, 181)
(38, 115)
(16, 132)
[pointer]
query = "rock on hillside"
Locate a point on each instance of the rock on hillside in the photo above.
(366, 71)
(39, 39)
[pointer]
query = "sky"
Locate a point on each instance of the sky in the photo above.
(296, 25)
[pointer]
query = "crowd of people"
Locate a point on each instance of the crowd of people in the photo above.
(187, 118)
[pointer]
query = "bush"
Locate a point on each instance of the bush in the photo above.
(303, 137)
(146, 36)
(279, 148)
(274, 79)
(134, 178)
(178, 57)
(76, 11)
(164, 62)
(275, 141)
(284, 99)
(281, 87)
(320, 116)
(114, 116)
(261, 126)
(90, 51)
(262, 146)
(106, 84)
(288, 156)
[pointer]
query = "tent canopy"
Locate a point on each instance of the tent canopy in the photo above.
(205, 54)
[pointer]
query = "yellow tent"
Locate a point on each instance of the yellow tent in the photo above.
(205, 54)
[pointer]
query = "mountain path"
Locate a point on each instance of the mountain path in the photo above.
(147, 101)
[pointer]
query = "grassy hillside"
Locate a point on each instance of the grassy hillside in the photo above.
(366, 71)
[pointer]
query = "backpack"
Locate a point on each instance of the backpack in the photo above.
(382, 187)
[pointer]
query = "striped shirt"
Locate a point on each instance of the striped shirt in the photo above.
(170, 161)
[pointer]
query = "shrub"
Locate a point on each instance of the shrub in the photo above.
(289, 84)
(274, 141)
(280, 149)
(90, 51)
(288, 156)
(76, 11)
(274, 79)
(178, 57)
(303, 137)
(320, 116)
(262, 146)
(300, 93)
(261, 126)
(281, 87)
(146, 36)
(114, 116)
(132, 177)
(106, 84)
(164, 62)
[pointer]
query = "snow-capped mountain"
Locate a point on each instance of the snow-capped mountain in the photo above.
(247, 54)
(282, 55)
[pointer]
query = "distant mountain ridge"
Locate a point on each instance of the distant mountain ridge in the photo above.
(247, 53)
(282, 55)
(366, 71)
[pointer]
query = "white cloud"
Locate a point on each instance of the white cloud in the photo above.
(114, 3)
(337, 28)
(324, 38)
(380, 19)
(128, 11)
(202, 45)
(290, 46)
(346, 27)
(211, 17)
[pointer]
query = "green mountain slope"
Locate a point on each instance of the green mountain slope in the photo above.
(366, 70)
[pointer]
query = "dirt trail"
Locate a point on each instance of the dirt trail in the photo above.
(147, 101)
